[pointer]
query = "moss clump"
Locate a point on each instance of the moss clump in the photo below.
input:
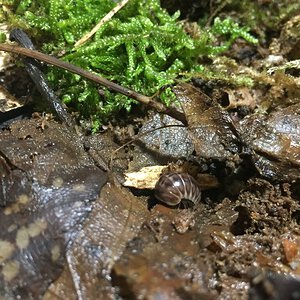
(264, 17)
(142, 47)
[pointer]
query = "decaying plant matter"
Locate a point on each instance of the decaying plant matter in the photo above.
(230, 144)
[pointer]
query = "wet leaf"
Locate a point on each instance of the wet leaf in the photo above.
(275, 140)
(210, 128)
(116, 219)
(47, 191)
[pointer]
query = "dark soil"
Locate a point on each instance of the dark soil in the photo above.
(71, 229)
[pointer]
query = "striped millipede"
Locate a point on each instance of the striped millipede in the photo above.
(172, 188)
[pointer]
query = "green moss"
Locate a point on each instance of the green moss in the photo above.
(2, 37)
(142, 47)
(263, 17)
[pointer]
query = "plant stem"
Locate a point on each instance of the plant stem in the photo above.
(149, 101)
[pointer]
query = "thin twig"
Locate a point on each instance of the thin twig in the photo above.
(149, 101)
(105, 19)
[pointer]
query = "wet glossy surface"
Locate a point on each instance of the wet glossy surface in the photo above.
(47, 186)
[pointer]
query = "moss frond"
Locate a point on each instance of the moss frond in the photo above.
(142, 47)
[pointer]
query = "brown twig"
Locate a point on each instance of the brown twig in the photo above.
(149, 101)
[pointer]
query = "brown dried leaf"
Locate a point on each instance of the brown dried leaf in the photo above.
(210, 128)
(115, 220)
(275, 140)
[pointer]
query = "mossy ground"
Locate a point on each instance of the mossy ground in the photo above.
(142, 46)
